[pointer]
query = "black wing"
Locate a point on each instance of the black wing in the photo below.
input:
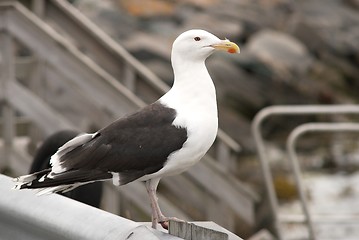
(133, 146)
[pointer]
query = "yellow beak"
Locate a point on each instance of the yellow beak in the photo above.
(226, 45)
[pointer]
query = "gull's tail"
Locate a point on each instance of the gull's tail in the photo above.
(46, 182)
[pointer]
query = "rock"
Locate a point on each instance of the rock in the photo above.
(284, 54)
(352, 3)
(146, 46)
(143, 8)
(219, 27)
(328, 27)
(111, 19)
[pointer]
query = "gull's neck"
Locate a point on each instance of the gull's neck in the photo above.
(192, 78)
(193, 88)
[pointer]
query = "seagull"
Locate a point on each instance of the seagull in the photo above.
(162, 139)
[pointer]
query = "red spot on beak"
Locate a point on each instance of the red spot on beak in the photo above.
(232, 50)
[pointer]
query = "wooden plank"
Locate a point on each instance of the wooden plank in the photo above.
(35, 82)
(104, 51)
(201, 233)
(129, 77)
(66, 22)
(69, 99)
(137, 194)
(167, 207)
(73, 21)
(20, 160)
(36, 109)
(219, 184)
(8, 132)
(191, 231)
(180, 229)
(38, 7)
(7, 76)
(194, 201)
(74, 65)
(21, 125)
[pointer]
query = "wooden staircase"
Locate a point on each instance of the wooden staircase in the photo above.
(74, 76)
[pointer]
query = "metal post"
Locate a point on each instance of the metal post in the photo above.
(267, 174)
(263, 157)
(291, 148)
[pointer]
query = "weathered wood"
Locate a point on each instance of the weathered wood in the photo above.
(129, 77)
(8, 133)
(36, 109)
(225, 187)
(115, 199)
(21, 125)
(195, 199)
(74, 64)
(92, 38)
(35, 83)
(19, 158)
(38, 7)
(62, 93)
(7, 67)
(223, 155)
(191, 231)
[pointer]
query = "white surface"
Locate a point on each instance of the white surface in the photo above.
(334, 205)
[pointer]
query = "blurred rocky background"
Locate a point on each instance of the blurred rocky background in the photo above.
(292, 52)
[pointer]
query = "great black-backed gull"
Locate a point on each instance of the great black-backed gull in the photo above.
(164, 138)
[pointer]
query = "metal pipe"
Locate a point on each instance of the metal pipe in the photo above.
(263, 157)
(291, 148)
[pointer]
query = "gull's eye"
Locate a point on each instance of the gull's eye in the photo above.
(197, 39)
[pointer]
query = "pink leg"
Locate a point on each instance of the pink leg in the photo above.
(151, 187)
(157, 216)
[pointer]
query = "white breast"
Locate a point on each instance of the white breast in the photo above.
(196, 106)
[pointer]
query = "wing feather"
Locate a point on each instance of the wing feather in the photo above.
(133, 146)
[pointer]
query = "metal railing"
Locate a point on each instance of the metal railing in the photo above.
(293, 157)
(292, 110)
(23, 215)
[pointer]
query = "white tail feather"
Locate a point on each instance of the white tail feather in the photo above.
(24, 179)
(67, 147)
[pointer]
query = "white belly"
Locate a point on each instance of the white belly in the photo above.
(201, 131)
(196, 109)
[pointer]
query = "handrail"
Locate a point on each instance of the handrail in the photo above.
(110, 44)
(263, 157)
(291, 149)
(63, 218)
